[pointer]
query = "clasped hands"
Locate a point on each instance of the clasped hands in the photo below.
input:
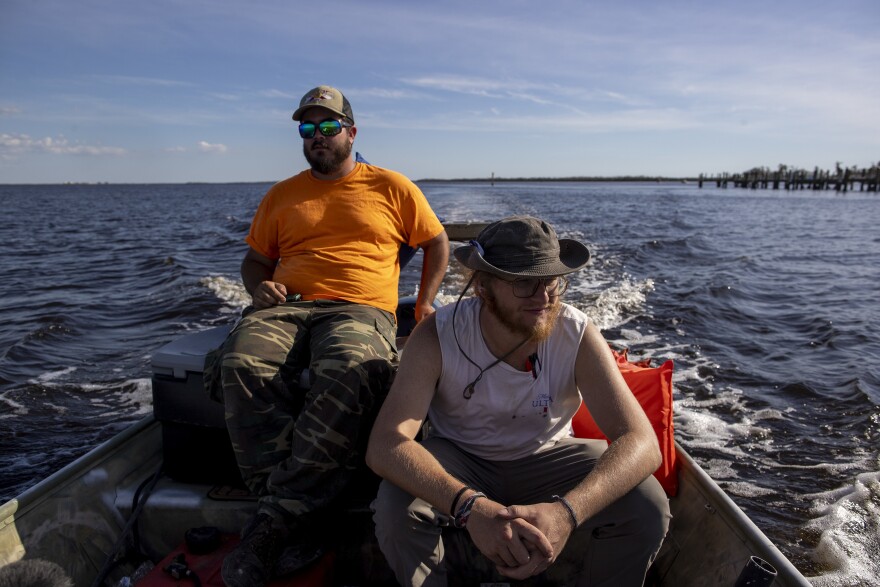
(521, 540)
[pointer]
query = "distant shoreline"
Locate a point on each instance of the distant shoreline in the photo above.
(624, 178)
(840, 176)
(630, 179)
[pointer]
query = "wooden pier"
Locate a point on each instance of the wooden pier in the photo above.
(842, 179)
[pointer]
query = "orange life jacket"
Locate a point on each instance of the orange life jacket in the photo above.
(652, 387)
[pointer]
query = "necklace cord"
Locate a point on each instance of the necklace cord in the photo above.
(469, 389)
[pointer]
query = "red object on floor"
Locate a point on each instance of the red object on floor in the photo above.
(207, 568)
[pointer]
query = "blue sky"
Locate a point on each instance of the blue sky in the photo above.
(203, 90)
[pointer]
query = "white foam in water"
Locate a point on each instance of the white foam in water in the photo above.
(15, 410)
(705, 429)
(132, 397)
(635, 337)
(616, 302)
(52, 375)
(614, 306)
(746, 489)
(687, 373)
(849, 522)
(231, 291)
(137, 394)
(443, 298)
(48, 380)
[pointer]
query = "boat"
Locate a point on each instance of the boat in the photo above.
(161, 502)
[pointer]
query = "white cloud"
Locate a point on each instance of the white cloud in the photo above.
(475, 86)
(225, 96)
(527, 93)
(142, 81)
(206, 147)
(387, 94)
(11, 145)
(278, 94)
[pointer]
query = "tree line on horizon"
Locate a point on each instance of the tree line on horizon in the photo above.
(841, 174)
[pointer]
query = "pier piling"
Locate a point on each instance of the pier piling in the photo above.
(841, 179)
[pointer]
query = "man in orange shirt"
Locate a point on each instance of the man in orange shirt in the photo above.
(322, 270)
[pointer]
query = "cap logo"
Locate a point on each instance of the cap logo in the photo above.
(320, 96)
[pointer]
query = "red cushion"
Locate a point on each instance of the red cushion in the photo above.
(652, 386)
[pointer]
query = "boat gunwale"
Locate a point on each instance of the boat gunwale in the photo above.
(738, 522)
(73, 471)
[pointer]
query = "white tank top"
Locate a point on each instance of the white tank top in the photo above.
(512, 413)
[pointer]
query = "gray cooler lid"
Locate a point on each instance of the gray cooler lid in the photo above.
(187, 353)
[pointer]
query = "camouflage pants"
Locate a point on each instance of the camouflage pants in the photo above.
(298, 446)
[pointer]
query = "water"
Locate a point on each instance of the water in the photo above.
(767, 302)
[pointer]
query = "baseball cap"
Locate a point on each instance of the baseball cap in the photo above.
(325, 97)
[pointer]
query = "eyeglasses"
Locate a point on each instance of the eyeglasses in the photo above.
(328, 128)
(526, 288)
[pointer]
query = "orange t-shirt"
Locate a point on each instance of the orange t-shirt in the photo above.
(340, 239)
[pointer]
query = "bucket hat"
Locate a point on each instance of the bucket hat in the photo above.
(325, 97)
(522, 246)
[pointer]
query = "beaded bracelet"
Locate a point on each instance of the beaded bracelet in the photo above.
(574, 520)
(456, 498)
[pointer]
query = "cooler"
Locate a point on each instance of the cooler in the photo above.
(196, 446)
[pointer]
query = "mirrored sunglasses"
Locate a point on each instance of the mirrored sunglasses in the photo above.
(328, 128)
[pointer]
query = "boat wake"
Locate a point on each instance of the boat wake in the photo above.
(847, 521)
(231, 292)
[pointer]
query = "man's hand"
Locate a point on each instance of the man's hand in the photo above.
(268, 294)
(423, 310)
(517, 548)
(550, 519)
(434, 264)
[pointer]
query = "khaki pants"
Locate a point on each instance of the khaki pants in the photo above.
(613, 548)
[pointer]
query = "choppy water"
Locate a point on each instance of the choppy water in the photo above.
(769, 303)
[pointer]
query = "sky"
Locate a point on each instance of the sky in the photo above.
(167, 91)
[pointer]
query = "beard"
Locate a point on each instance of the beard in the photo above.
(537, 332)
(327, 161)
